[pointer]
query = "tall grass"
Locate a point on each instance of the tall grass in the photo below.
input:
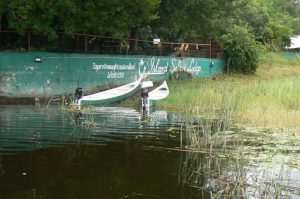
(281, 59)
(229, 161)
(270, 98)
(244, 163)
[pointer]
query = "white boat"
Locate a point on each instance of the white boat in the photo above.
(112, 95)
(159, 93)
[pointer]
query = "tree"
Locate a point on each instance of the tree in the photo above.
(140, 14)
(115, 18)
(47, 17)
(256, 17)
(3, 11)
(194, 20)
(271, 21)
(169, 25)
(242, 50)
(277, 35)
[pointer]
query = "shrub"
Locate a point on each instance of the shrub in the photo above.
(241, 50)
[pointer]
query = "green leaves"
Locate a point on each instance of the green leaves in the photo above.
(278, 35)
(272, 22)
(106, 17)
(242, 50)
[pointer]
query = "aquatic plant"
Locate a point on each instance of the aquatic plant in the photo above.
(236, 162)
(243, 140)
(80, 116)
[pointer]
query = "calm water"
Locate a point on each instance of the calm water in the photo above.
(119, 153)
(43, 154)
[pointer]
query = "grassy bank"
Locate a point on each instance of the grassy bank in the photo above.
(242, 161)
(270, 98)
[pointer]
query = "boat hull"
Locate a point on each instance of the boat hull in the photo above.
(110, 100)
(106, 101)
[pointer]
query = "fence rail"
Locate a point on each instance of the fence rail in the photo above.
(88, 43)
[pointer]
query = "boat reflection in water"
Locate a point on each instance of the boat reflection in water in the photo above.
(25, 128)
(111, 152)
(115, 152)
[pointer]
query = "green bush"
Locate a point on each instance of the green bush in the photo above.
(241, 50)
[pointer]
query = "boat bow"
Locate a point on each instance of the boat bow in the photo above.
(112, 95)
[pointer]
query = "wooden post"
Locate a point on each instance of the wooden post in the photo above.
(210, 47)
(29, 41)
(85, 44)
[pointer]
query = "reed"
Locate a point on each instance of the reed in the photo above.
(83, 117)
(269, 98)
(244, 139)
(236, 162)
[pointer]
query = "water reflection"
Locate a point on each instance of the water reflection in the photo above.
(244, 163)
(51, 154)
(28, 128)
(114, 152)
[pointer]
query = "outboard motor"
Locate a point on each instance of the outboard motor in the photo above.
(78, 94)
(144, 95)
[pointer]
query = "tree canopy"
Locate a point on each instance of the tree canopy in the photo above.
(272, 22)
(108, 17)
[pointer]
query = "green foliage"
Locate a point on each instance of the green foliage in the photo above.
(242, 50)
(282, 23)
(170, 23)
(106, 17)
(195, 20)
(277, 35)
(48, 17)
(256, 17)
(3, 8)
(296, 24)
(271, 21)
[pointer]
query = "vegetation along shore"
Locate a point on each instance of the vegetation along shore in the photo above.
(270, 97)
